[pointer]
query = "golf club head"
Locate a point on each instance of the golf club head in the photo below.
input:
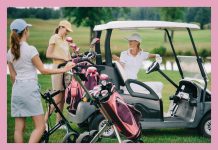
(91, 70)
(77, 50)
(73, 46)
(69, 39)
(104, 77)
(94, 41)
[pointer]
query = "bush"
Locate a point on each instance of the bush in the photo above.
(179, 53)
(205, 53)
(188, 53)
(161, 50)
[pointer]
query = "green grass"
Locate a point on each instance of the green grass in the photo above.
(42, 30)
(148, 136)
(40, 34)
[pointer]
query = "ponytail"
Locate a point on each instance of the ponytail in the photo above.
(15, 43)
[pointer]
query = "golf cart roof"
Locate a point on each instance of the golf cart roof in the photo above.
(146, 24)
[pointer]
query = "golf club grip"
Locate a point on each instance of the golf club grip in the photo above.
(85, 60)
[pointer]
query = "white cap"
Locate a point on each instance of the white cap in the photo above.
(134, 37)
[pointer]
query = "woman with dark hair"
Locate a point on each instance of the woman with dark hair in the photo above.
(23, 62)
(58, 51)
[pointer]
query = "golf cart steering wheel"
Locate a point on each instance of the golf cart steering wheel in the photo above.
(155, 66)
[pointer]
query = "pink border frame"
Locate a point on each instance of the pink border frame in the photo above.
(108, 3)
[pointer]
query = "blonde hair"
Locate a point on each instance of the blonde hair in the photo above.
(15, 43)
(138, 46)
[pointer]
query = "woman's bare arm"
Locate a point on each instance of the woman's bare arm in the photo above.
(152, 56)
(156, 56)
(39, 65)
(12, 72)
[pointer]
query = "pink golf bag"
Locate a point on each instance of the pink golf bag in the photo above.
(125, 117)
(74, 92)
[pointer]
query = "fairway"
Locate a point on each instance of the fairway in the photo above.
(42, 30)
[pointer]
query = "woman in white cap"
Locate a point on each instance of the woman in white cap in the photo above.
(132, 59)
(23, 62)
(58, 51)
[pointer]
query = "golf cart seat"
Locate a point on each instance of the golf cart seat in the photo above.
(138, 86)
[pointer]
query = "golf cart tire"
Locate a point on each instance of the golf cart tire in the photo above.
(68, 138)
(127, 141)
(85, 137)
(94, 124)
(201, 128)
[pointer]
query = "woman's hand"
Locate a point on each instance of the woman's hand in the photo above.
(12, 72)
(67, 59)
(69, 66)
(116, 58)
(158, 58)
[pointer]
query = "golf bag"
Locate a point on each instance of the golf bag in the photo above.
(125, 117)
(74, 92)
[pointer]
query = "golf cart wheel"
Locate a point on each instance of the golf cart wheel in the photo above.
(70, 138)
(205, 126)
(85, 137)
(97, 124)
(127, 141)
(93, 132)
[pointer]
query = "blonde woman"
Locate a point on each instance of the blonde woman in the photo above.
(132, 59)
(58, 51)
(23, 62)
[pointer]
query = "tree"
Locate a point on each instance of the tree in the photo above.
(142, 13)
(90, 16)
(203, 16)
(42, 13)
(171, 14)
(199, 14)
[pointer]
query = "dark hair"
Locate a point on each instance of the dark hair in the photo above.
(15, 43)
(57, 30)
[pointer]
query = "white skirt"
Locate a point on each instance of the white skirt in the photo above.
(26, 99)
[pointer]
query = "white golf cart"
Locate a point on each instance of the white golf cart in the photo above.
(190, 105)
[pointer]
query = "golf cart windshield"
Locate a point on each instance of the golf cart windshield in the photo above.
(190, 68)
